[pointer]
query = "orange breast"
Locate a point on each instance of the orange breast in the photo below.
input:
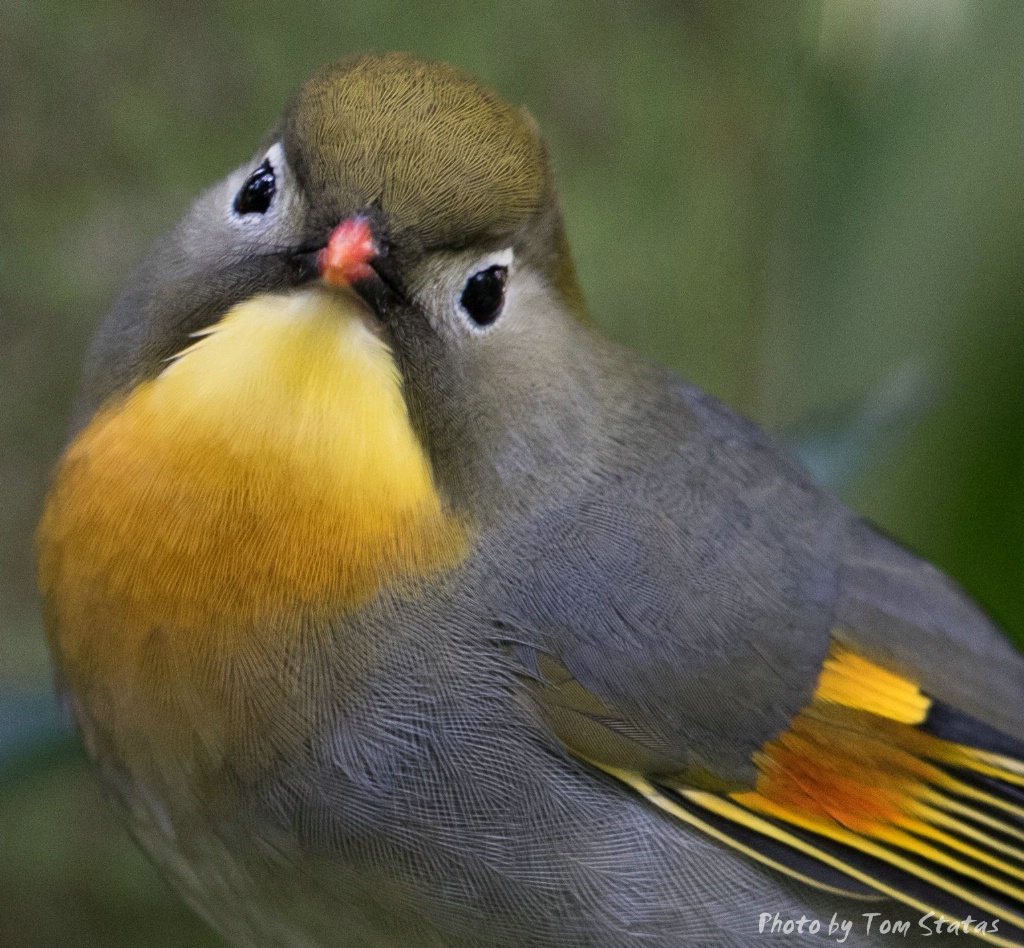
(268, 475)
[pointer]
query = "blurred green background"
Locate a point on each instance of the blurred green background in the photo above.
(814, 209)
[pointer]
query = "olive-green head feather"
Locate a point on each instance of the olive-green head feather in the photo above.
(447, 162)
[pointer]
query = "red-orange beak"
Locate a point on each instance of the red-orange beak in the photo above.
(349, 253)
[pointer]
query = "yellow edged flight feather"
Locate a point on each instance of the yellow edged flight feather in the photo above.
(862, 795)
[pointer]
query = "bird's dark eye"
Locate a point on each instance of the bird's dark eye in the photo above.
(484, 295)
(258, 190)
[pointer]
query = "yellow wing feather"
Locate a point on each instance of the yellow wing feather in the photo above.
(859, 785)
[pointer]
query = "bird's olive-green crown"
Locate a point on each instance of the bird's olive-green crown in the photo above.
(447, 161)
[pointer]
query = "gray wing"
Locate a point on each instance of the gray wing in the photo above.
(695, 593)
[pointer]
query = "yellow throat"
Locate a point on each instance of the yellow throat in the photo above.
(269, 470)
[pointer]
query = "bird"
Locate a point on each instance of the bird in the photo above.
(397, 606)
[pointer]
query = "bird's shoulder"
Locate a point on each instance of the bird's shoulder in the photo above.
(689, 581)
(697, 579)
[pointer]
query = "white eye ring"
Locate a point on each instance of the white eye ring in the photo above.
(503, 258)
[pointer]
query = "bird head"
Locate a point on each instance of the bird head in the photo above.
(424, 204)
